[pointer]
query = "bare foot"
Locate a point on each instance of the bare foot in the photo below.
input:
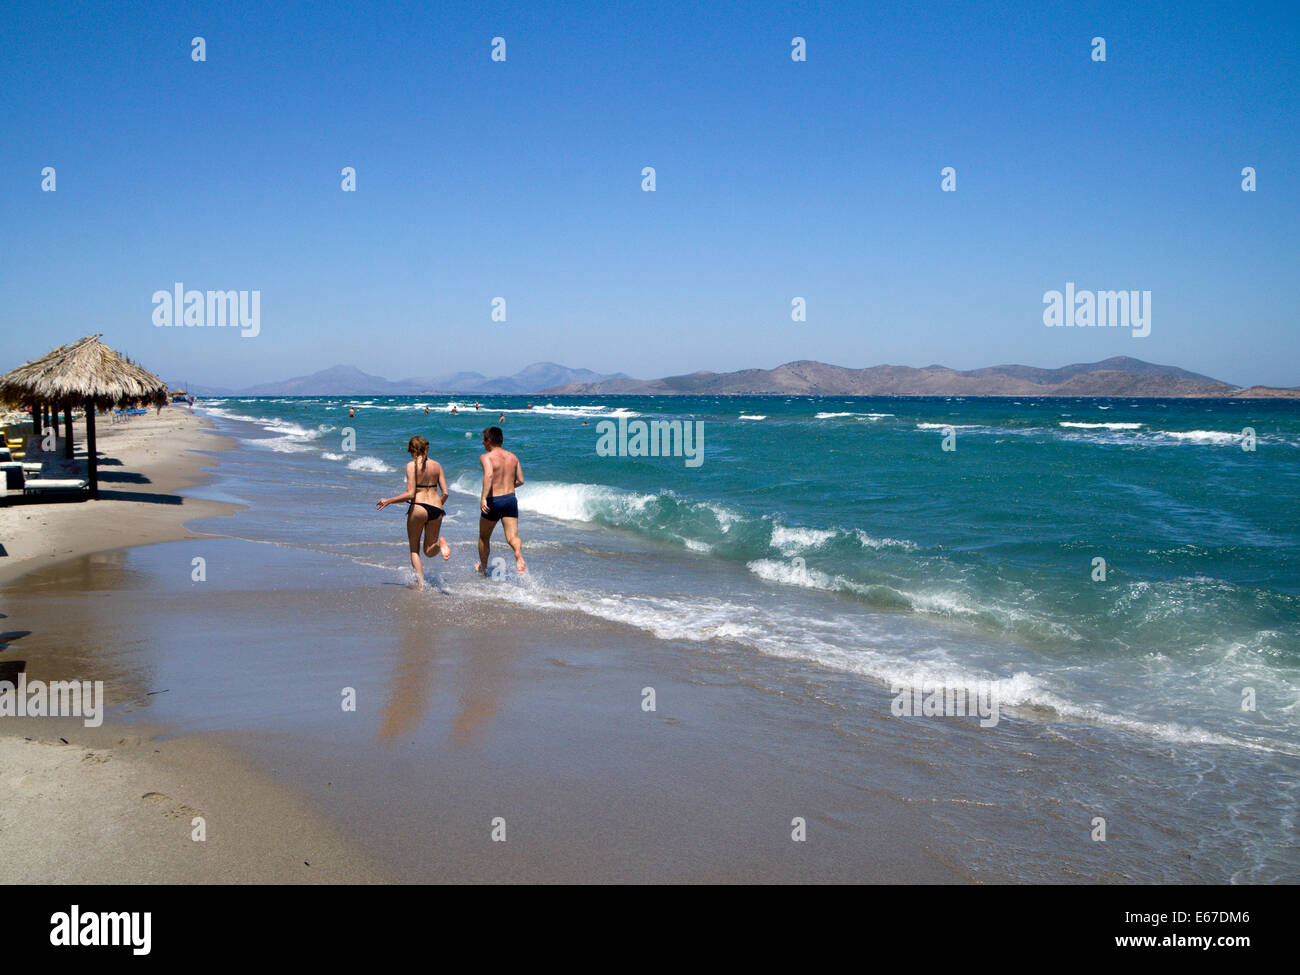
(519, 564)
(478, 567)
(446, 549)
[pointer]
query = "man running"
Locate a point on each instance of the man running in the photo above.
(501, 475)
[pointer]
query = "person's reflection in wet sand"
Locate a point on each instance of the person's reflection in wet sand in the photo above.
(483, 675)
(408, 691)
(484, 678)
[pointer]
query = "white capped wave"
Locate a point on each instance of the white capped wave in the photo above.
(542, 409)
(291, 438)
(834, 416)
(1200, 436)
(870, 541)
(790, 540)
(746, 416)
(369, 464)
(823, 642)
(1103, 426)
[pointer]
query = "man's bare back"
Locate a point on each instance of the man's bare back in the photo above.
(502, 473)
(505, 472)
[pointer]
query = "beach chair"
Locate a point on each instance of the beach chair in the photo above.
(56, 476)
(14, 442)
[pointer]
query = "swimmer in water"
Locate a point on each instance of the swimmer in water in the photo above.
(425, 495)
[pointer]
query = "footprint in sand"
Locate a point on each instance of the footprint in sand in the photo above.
(169, 807)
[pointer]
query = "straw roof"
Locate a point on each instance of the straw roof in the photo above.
(84, 370)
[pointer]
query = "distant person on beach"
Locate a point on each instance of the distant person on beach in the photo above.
(501, 418)
(426, 411)
(425, 494)
(454, 411)
(351, 413)
(501, 475)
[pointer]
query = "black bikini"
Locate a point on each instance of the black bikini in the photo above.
(431, 509)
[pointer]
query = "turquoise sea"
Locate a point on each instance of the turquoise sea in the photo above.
(838, 534)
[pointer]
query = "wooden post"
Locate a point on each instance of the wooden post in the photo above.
(67, 431)
(92, 459)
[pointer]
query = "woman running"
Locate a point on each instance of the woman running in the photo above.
(425, 494)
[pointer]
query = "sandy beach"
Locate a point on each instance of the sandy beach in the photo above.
(145, 462)
(108, 805)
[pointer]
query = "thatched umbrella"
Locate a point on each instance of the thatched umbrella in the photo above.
(86, 373)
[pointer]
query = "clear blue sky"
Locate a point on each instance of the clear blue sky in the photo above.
(775, 179)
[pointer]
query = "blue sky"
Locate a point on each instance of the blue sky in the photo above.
(775, 179)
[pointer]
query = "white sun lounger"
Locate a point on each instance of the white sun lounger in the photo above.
(57, 475)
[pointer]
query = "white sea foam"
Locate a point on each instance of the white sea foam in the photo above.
(539, 409)
(372, 465)
(745, 416)
(835, 416)
(1103, 426)
(1201, 436)
(791, 540)
(870, 541)
(290, 437)
(875, 655)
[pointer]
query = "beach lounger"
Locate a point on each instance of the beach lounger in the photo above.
(57, 475)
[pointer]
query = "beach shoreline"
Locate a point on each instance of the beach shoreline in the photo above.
(611, 736)
(145, 464)
(112, 805)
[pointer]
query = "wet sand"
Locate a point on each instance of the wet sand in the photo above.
(462, 723)
(114, 804)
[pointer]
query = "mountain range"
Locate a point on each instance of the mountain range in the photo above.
(1117, 376)
(351, 381)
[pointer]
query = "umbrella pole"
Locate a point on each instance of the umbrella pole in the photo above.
(92, 458)
(67, 431)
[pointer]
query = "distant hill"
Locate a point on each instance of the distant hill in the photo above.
(351, 381)
(1117, 376)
